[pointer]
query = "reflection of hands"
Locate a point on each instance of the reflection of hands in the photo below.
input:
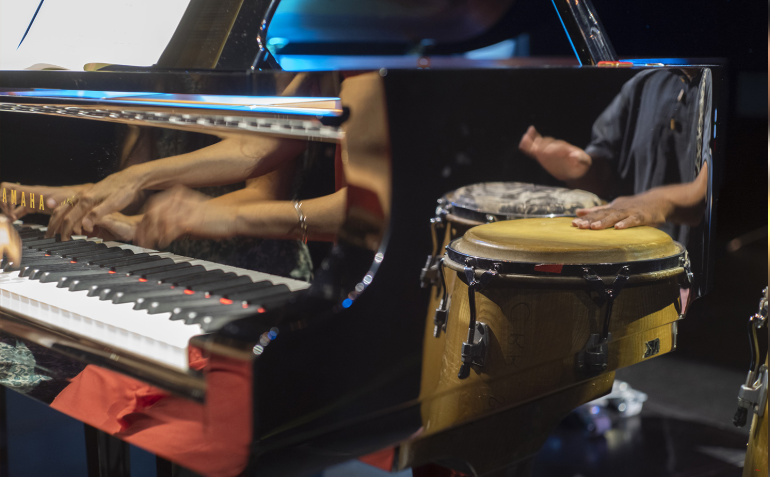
(181, 211)
(53, 196)
(10, 243)
(116, 226)
(91, 204)
(561, 159)
(649, 208)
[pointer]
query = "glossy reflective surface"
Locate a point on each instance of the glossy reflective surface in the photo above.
(347, 370)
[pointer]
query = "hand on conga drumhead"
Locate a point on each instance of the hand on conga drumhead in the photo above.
(624, 213)
(561, 159)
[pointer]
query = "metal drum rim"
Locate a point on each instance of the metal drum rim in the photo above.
(546, 269)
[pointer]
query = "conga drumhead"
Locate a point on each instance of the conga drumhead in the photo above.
(511, 200)
(557, 241)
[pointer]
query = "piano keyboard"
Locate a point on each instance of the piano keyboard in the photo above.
(137, 300)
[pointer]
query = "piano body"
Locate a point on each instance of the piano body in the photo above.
(237, 371)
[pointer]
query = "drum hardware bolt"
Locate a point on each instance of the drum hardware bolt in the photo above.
(753, 394)
(474, 349)
(752, 397)
(684, 262)
(491, 218)
(442, 312)
(594, 358)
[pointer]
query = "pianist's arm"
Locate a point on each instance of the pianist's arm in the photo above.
(677, 203)
(181, 211)
(230, 161)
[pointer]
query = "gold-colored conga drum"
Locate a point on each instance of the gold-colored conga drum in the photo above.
(753, 398)
(541, 315)
(477, 204)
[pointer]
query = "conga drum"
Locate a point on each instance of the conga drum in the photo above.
(473, 205)
(541, 315)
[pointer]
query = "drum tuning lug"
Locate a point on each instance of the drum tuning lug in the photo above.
(429, 272)
(594, 358)
(475, 351)
(752, 397)
(440, 318)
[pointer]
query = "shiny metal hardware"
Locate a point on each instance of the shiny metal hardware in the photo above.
(651, 348)
(753, 393)
(674, 334)
(752, 397)
(474, 348)
(594, 358)
(586, 33)
(684, 262)
(429, 273)
(442, 312)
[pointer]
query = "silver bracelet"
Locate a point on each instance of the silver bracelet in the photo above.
(302, 220)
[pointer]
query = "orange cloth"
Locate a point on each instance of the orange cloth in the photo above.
(213, 440)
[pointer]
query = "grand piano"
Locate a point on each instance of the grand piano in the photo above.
(225, 367)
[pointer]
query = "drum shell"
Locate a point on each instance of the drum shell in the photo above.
(539, 326)
(433, 347)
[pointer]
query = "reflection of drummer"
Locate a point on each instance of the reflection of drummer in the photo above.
(654, 133)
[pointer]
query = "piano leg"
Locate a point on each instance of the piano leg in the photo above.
(3, 434)
(107, 456)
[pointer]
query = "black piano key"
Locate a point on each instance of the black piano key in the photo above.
(181, 301)
(209, 277)
(38, 272)
(191, 301)
(86, 282)
(39, 242)
(97, 247)
(28, 269)
(225, 280)
(98, 255)
(57, 276)
(133, 295)
(254, 296)
(226, 290)
(73, 244)
(114, 261)
(171, 275)
(153, 268)
(194, 316)
(107, 291)
(141, 265)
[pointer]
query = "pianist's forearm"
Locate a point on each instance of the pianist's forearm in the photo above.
(279, 219)
(229, 161)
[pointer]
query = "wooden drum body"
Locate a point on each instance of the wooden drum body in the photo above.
(542, 318)
(477, 204)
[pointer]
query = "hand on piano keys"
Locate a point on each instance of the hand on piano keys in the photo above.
(136, 300)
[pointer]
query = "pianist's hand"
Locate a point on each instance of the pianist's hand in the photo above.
(112, 194)
(117, 226)
(52, 197)
(10, 243)
(182, 211)
(650, 208)
(560, 158)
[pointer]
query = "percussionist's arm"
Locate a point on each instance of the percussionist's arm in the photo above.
(678, 203)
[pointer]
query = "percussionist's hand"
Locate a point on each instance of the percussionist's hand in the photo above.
(91, 204)
(182, 211)
(10, 243)
(649, 208)
(561, 159)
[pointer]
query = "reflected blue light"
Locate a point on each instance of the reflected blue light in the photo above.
(265, 104)
(665, 61)
(346, 303)
(272, 335)
(594, 409)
